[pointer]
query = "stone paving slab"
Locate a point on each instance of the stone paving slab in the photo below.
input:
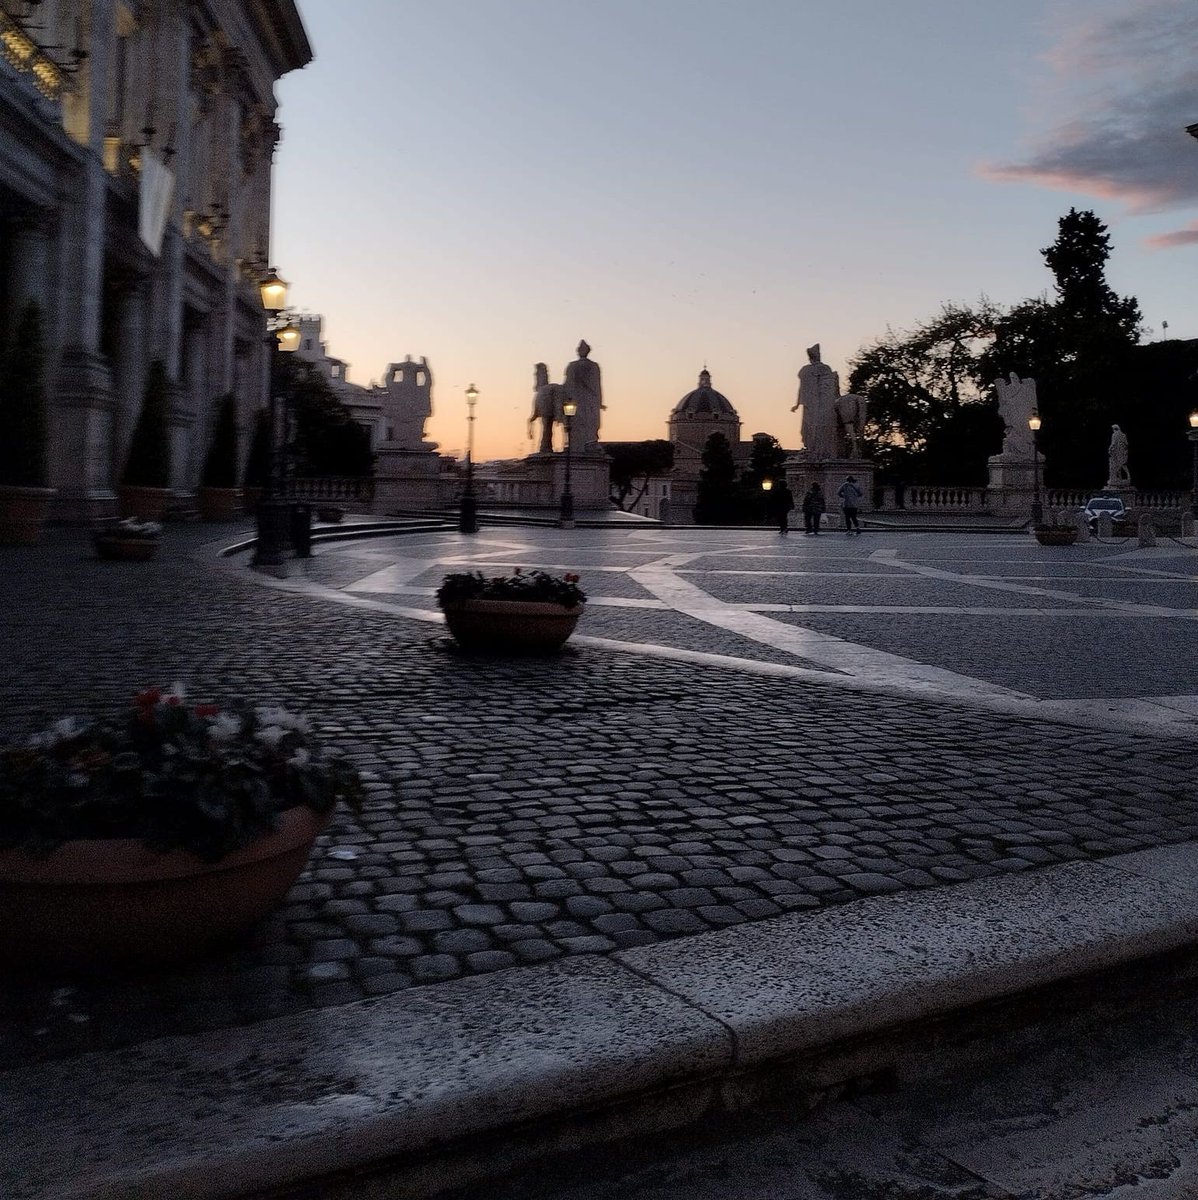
(522, 812)
(380, 1081)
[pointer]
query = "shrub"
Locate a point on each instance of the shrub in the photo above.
(149, 462)
(23, 405)
(220, 465)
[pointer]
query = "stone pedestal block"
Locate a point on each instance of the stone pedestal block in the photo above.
(829, 473)
(590, 480)
(409, 480)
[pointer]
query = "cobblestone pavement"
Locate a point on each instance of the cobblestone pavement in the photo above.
(522, 810)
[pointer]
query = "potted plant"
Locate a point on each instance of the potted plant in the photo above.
(331, 514)
(152, 839)
(145, 484)
(130, 539)
(533, 612)
(24, 496)
(257, 464)
(220, 497)
(1055, 535)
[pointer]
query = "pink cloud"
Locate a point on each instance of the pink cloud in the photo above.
(1127, 87)
(1179, 237)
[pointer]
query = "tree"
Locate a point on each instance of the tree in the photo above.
(931, 418)
(766, 461)
(23, 405)
(149, 461)
(632, 466)
(327, 440)
(257, 463)
(718, 499)
(220, 463)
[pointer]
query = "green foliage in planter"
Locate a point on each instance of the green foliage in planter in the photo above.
(149, 461)
(23, 405)
(220, 465)
(176, 776)
(257, 466)
(535, 585)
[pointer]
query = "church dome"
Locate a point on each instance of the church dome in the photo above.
(704, 401)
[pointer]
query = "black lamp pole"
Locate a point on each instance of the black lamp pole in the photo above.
(468, 515)
(1037, 507)
(1193, 436)
(273, 545)
(567, 510)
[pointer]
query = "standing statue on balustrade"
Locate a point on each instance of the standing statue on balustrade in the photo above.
(1016, 404)
(584, 387)
(1118, 474)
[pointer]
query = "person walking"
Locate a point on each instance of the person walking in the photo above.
(784, 502)
(813, 509)
(850, 501)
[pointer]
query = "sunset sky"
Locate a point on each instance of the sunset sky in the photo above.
(690, 182)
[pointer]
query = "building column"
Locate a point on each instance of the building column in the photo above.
(128, 367)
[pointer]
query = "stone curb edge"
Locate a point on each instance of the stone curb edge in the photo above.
(393, 1079)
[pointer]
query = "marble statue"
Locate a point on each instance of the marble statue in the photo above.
(819, 387)
(409, 403)
(547, 401)
(1016, 404)
(583, 386)
(850, 412)
(1118, 474)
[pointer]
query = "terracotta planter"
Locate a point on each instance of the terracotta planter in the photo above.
(22, 514)
(510, 626)
(220, 504)
(91, 904)
(125, 548)
(145, 502)
(1055, 535)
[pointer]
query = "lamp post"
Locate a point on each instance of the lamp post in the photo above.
(566, 519)
(468, 515)
(1193, 436)
(767, 486)
(274, 511)
(1033, 423)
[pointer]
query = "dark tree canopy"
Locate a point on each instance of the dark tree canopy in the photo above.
(23, 405)
(933, 417)
(327, 440)
(766, 461)
(149, 461)
(633, 464)
(718, 499)
(220, 464)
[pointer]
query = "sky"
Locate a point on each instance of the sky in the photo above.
(690, 183)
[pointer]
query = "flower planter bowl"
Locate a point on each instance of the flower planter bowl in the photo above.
(220, 504)
(1055, 535)
(149, 503)
(510, 626)
(22, 514)
(124, 548)
(110, 902)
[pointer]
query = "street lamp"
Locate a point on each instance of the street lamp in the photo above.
(1033, 423)
(468, 515)
(566, 520)
(274, 511)
(767, 486)
(1193, 436)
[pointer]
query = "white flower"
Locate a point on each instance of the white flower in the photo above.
(68, 727)
(272, 735)
(275, 715)
(299, 758)
(177, 690)
(224, 727)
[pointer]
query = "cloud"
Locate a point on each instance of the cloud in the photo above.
(1126, 85)
(1179, 237)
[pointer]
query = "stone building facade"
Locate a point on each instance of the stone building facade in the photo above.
(136, 147)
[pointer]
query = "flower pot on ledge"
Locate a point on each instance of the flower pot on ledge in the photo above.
(510, 626)
(1055, 535)
(113, 901)
(220, 503)
(148, 503)
(118, 548)
(22, 514)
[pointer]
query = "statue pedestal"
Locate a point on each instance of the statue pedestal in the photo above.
(590, 479)
(1014, 474)
(408, 480)
(829, 473)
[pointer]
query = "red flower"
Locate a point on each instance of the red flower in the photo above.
(149, 697)
(172, 701)
(517, 570)
(207, 710)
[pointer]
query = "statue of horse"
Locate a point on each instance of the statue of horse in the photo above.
(850, 420)
(547, 401)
